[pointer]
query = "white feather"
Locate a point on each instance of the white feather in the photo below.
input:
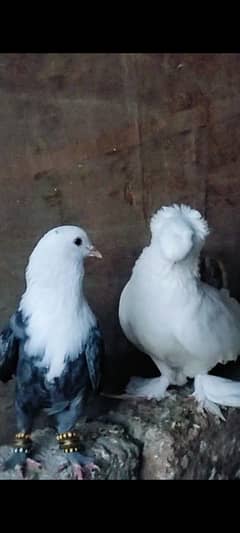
(217, 390)
(184, 325)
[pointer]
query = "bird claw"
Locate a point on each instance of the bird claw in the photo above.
(84, 472)
(82, 466)
(62, 467)
(33, 465)
(77, 471)
(21, 464)
(90, 469)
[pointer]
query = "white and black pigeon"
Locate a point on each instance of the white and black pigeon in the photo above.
(53, 345)
(186, 326)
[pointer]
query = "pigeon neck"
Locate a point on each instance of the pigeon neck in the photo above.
(62, 288)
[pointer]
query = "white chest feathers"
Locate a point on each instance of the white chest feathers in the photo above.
(57, 331)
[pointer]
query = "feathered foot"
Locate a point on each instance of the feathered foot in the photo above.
(33, 465)
(83, 465)
(202, 397)
(148, 388)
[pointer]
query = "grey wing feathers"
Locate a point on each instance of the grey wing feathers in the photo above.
(9, 346)
(94, 351)
(8, 354)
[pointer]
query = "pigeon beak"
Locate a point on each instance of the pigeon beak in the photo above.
(93, 252)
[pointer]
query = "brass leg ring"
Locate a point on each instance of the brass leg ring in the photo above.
(68, 441)
(23, 443)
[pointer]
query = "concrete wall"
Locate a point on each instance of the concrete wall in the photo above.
(102, 140)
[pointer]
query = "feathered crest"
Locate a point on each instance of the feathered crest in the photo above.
(198, 223)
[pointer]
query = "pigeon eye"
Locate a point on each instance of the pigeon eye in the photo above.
(78, 241)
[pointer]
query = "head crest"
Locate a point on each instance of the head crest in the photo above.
(185, 212)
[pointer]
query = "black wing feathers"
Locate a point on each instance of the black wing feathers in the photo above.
(94, 352)
(8, 354)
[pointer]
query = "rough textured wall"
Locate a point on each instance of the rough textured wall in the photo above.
(102, 140)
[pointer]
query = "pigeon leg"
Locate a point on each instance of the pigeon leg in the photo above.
(82, 466)
(21, 459)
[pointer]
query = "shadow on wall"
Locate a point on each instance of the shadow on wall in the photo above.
(130, 362)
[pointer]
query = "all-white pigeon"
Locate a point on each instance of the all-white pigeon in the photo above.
(183, 324)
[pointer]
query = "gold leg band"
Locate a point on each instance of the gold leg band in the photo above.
(68, 441)
(23, 443)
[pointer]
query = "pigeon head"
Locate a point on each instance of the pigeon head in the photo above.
(61, 251)
(178, 231)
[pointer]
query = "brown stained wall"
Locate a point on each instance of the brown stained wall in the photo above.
(102, 140)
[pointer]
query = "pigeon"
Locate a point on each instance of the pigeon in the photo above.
(184, 325)
(54, 347)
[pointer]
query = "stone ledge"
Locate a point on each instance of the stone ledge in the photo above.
(146, 440)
